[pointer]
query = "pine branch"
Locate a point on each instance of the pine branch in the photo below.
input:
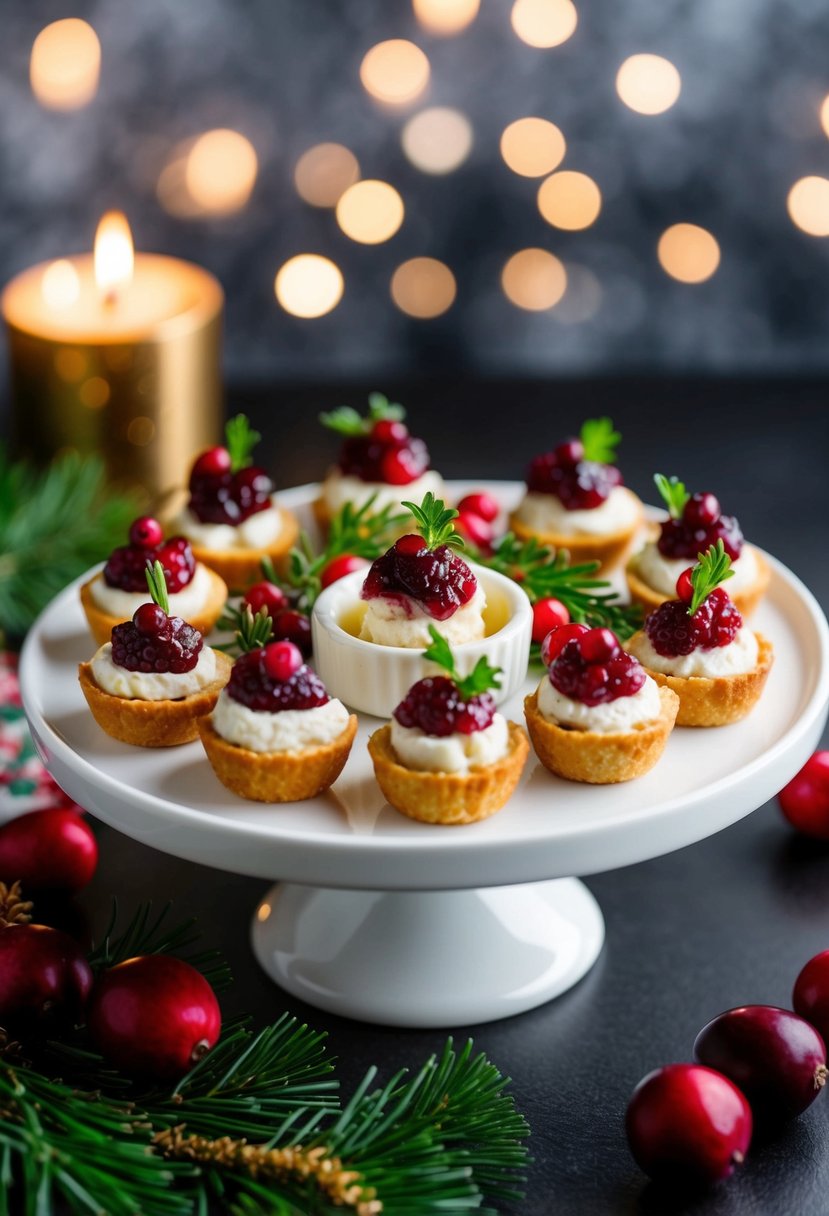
(241, 439)
(434, 521)
(599, 440)
(673, 493)
(713, 567)
(480, 680)
(146, 934)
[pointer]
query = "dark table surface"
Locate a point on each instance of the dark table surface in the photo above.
(725, 922)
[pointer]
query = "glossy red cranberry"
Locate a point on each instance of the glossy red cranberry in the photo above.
(548, 614)
(175, 647)
(597, 683)
(725, 620)
(49, 850)
(44, 976)
(435, 706)
(775, 1057)
(598, 646)
(694, 531)
(481, 504)
(252, 684)
(153, 1016)
(811, 993)
(151, 620)
(687, 1123)
(805, 800)
(387, 454)
(702, 510)
(411, 545)
(126, 567)
(399, 467)
(570, 451)
(282, 660)
(340, 566)
(472, 527)
(673, 631)
(388, 430)
(557, 639)
(265, 595)
(211, 463)
(580, 485)
(684, 586)
(292, 626)
(146, 532)
(252, 490)
(438, 579)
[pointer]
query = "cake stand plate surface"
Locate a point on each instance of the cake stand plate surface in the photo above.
(388, 920)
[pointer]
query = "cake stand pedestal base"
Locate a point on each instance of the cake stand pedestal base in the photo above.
(428, 958)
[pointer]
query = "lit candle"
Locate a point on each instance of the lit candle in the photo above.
(117, 352)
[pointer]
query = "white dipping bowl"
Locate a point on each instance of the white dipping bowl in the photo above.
(374, 679)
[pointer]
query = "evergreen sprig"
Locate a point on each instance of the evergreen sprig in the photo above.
(157, 585)
(599, 440)
(435, 522)
(146, 933)
(241, 439)
(346, 421)
(481, 678)
(713, 567)
(673, 494)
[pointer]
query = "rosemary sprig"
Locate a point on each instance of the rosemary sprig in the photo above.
(434, 522)
(346, 421)
(599, 440)
(673, 494)
(157, 585)
(713, 567)
(241, 439)
(481, 678)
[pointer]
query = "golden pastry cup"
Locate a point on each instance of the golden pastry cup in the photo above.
(609, 551)
(277, 776)
(601, 758)
(240, 568)
(746, 600)
(448, 798)
(101, 624)
(716, 700)
(152, 723)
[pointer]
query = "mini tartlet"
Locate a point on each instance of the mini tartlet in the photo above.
(597, 716)
(379, 460)
(447, 756)
(153, 682)
(575, 499)
(699, 648)
(275, 735)
(694, 523)
(111, 596)
(232, 518)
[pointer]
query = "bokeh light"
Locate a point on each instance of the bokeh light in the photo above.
(309, 285)
(532, 147)
(437, 140)
(221, 171)
(569, 200)
(446, 17)
(689, 253)
(534, 279)
(648, 84)
(60, 284)
(808, 205)
(65, 65)
(324, 173)
(544, 23)
(423, 287)
(395, 72)
(370, 212)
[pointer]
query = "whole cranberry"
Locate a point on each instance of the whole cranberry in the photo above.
(480, 504)
(400, 466)
(212, 462)
(702, 510)
(598, 645)
(388, 430)
(49, 850)
(688, 1123)
(282, 660)
(548, 614)
(557, 639)
(292, 626)
(340, 566)
(150, 619)
(805, 800)
(475, 528)
(266, 595)
(811, 993)
(684, 586)
(571, 451)
(44, 976)
(146, 533)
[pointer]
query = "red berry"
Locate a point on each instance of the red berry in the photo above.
(265, 595)
(174, 646)
(292, 626)
(398, 467)
(776, 1058)
(282, 660)
(475, 528)
(153, 1016)
(805, 800)
(557, 639)
(595, 683)
(149, 619)
(598, 645)
(548, 614)
(411, 545)
(146, 532)
(480, 504)
(684, 586)
(688, 1123)
(44, 975)
(50, 850)
(340, 566)
(437, 579)
(388, 430)
(701, 510)
(211, 463)
(435, 706)
(811, 993)
(571, 451)
(252, 683)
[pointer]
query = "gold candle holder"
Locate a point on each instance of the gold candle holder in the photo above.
(117, 356)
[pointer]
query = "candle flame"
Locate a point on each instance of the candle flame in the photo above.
(113, 254)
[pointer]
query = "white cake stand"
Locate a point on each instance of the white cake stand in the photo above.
(386, 920)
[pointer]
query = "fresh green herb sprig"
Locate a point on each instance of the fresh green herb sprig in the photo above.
(599, 440)
(435, 522)
(157, 586)
(673, 494)
(713, 567)
(346, 421)
(241, 439)
(481, 678)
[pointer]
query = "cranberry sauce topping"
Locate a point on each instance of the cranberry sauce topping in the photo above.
(438, 579)
(591, 667)
(673, 631)
(252, 684)
(155, 642)
(436, 707)
(388, 453)
(579, 484)
(701, 525)
(219, 496)
(126, 566)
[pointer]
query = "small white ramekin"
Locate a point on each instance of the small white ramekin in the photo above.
(374, 679)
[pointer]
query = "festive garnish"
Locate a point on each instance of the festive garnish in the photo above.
(599, 440)
(482, 677)
(435, 522)
(157, 585)
(251, 631)
(673, 493)
(713, 568)
(346, 421)
(241, 439)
